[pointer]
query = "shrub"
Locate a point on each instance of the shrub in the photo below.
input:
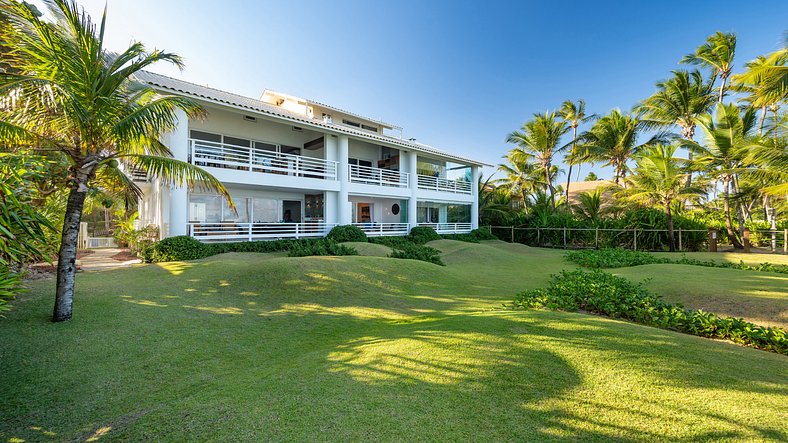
(319, 247)
(414, 251)
(474, 236)
(177, 248)
(603, 293)
(345, 233)
(423, 234)
(10, 286)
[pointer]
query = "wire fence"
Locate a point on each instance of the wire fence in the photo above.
(636, 239)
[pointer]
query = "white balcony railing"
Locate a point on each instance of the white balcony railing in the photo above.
(375, 176)
(231, 231)
(381, 229)
(449, 228)
(442, 184)
(222, 155)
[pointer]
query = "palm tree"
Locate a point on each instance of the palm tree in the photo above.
(521, 176)
(659, 179)
(574, 114)
(590, 206)
(759, 88)
(613, 140)
(539, 138)
(69, 94)
(716, 53)
(728, 137)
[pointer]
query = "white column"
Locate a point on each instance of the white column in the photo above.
(178, 142)
(343, 204)
(475, 174)
(330, 208)
(411, 165)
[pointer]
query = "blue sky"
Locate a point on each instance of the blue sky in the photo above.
(457, 75)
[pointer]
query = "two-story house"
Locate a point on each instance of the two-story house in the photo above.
(296, 168)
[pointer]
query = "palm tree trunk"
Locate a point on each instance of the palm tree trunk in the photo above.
(763, 119)
(726, 207)
(67, 256)
(722, 87)
(571, 160)
(669, 219)
(550, 185)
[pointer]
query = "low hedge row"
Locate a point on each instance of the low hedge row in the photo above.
(620, 258)
(188, 248)
(603, 293)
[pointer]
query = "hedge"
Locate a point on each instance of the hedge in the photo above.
(188, 248)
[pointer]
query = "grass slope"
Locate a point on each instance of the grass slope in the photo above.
(244, 347)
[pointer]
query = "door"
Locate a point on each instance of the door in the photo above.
(291, 211)
(363, 212)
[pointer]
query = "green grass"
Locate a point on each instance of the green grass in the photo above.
(248, 347)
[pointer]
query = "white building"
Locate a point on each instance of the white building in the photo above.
(296, 168)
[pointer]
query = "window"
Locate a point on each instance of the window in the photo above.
(355, 161)
(237, 141)
(369, 128)
(206, 136)
(265, 210)
(205, 208)
(351, 123)
(265, 146)
(241, 214)
(291, 150)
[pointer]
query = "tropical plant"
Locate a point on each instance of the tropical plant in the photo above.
(679, 101)
(539, 139)
(590, 206)
(761, 84)
(728, 137)
(591, 176)
(659, 180)
(613, 140)
(575, 115)
(716, 54)
(69, 94)
(521, 176)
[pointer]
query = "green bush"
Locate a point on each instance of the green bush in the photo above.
(414, 251)
(177, 248)
(320, 247)
(603, 293)
(10, 286)
(423, 234)
(620, 258)
(474, 236)
(345, 233)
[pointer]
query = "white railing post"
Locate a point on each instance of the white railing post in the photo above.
(250, 232)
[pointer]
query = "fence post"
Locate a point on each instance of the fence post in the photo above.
(636, 239)
(596, 237)
(512, 233)
(680, 239)
(489, 228)
(564, 237)
(538, 236)
(746, 240)
(785, 241)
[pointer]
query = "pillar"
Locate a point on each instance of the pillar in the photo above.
(411, 164)
(475, 175)
(330, 198)
(343, 203)
(178, 142)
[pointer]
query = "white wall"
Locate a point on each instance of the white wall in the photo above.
(364, 151)
(381, 208)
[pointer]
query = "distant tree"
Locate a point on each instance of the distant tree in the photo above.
(591, 176)
(68, 94)
(574, 113)
(539, 139)
(716, 54)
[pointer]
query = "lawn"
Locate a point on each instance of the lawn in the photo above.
(245, 347)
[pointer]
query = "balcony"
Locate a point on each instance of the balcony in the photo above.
(449, 228)
(232, 231)
(381, 229)
(222, 155)
(377, 177)
(444, 185)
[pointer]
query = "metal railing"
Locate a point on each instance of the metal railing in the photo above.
(449, 228)
(232, 231)
(381, 229)
(375, 176)
(223, 155)
(443, 184)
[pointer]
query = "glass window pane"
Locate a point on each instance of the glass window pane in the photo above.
(207, 136)
(265, 146)
(205, 208)
(265, 210)
(241, 215)
(237, 141)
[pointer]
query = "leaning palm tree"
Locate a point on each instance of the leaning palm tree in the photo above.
(574, 113)
(728, 138)
(613, 140)
(716, 53)
(68, 94)
(659, 180)
(540, 138)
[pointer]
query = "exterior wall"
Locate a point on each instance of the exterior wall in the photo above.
(382, 208)
(364, 151)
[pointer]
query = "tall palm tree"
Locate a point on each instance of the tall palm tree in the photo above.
(69, 94)
(540, 138)
(716, 53)
(574, 113)
(759, 88)
(659, 179)
(679, 101)
(521, 176)
(728, 137)
(613, 140)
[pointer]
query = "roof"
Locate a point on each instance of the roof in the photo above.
(577, 188)
(217, 96)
